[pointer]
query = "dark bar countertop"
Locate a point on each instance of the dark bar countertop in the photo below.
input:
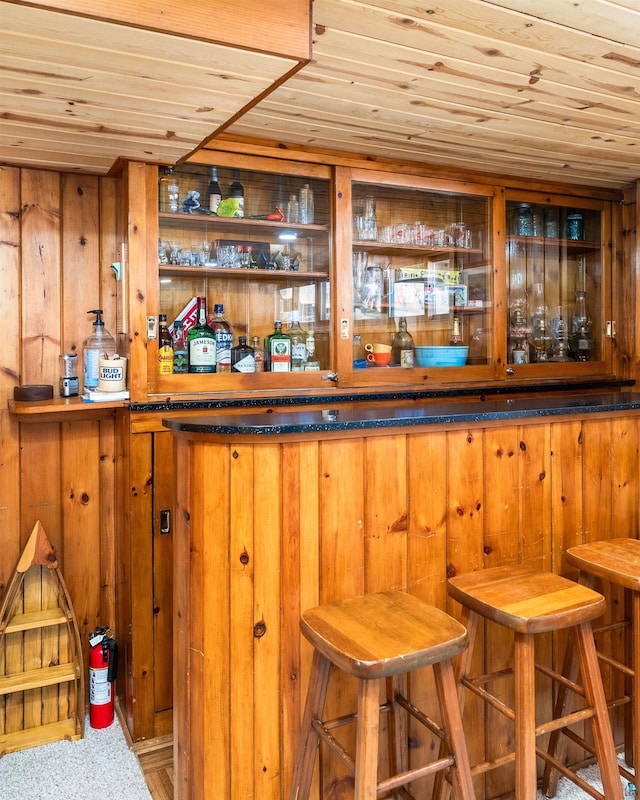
(391, 416)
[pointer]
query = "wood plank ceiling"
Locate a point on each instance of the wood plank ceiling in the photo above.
(541, 89)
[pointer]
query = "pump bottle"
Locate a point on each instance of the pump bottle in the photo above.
(100, 344)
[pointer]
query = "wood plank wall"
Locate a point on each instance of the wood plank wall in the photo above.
(340, 517)
(57, 243)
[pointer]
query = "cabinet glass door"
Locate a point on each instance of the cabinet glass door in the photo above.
(272, 263)
(421, 256)
(555, 283)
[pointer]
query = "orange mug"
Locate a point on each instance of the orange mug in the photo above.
(379, 359)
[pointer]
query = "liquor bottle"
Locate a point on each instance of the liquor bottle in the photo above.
(180, 354)
(456, 337)
(243, 357)
(305, 205)
(224, 339)
(402, 345)
(298, 343)
(236, 191)
(258, 354)
(215, 195)
(279, 349)
(165, 348)
(202, 342)
(312, 364)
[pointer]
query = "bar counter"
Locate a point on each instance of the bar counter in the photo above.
(279, 511)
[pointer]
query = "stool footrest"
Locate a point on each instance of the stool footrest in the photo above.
(569, 773)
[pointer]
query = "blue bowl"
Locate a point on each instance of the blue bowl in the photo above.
(450, 356)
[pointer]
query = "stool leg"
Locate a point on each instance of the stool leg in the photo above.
(525, 717)
(309, 740)
(366, 777)
(562, 706)
(454, 732)
(398, 733)
(600, 723)
(635, 681)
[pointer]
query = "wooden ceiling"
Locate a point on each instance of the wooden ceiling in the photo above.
(540, 89)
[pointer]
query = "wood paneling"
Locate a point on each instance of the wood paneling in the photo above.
(389, 510)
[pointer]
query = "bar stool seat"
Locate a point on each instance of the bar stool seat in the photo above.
(529, 602)
(616, 561)
(378, 638)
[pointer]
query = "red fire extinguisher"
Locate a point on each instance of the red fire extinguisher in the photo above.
(103, 657)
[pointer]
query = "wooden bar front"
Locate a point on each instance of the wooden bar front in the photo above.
(270, 525)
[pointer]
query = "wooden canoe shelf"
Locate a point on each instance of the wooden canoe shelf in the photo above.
(42, 688)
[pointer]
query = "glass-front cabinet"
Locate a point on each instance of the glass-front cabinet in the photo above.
(255, 244)
(374, 278)
(422, 271)
(558, 285)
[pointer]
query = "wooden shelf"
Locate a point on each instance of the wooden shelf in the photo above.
(388, 249)
(36, 619)
(241, 273)
(36, 678)
(43, 734)
(237, 225)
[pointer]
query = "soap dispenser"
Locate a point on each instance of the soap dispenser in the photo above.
(100, 344)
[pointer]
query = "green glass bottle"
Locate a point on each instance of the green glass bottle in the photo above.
(279, 349)
(202, 342)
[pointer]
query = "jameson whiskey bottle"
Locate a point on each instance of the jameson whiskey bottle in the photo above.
(279, 349)
(298, 343)
(242, 357)
(224, 339)
(180, 355)
(258, 354)
(202, 342)
(165, 348)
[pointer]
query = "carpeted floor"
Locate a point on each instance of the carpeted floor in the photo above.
(100, 765)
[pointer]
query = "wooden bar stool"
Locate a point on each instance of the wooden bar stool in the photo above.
(377, 638)
(529, 602)
(616, 561)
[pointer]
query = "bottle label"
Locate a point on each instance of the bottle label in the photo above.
(246, 364)
(312, 366)
(224, 341)
(91, 363)
(259, 359)
(202, 355)
(180, 361)
(280, 355)
(165, 360)
(406, 358)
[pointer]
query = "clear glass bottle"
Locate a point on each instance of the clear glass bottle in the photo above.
(305, 205)
(168, 190)
(298, 343)
(279, 345)
(293, 209)
(258, 354)
(165, 348)
(478, 346)
(224, 339)
(456, 334)
(518, 350)
(243, 357)
(100, 344)
(312, 364)
(540, 329)
(402, 349)
(214, 192)
(202, 342)
(522, 223)
(581, 344)
(180, 353)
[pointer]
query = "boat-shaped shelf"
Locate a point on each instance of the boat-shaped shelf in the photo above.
(42, 683)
